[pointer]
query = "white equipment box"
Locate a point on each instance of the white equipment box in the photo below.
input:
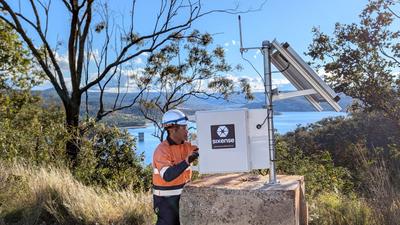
(229, 140)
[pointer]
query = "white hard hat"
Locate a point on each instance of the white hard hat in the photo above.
(174, 117)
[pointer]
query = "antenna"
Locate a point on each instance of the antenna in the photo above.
(241, 38)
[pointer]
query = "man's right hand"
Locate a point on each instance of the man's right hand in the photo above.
(193, 157)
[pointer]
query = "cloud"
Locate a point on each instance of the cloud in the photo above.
(44, 86)
(226, 44)
(278, 81)
(323, 74)
(131, 73)
(258, 52)
(233, 42)
(256, 83)
(94, 54)
(138, 60)
(62, 60)
(124, 84)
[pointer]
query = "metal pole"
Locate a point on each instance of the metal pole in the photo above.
(266, 48)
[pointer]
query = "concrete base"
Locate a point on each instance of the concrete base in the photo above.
(242, 199)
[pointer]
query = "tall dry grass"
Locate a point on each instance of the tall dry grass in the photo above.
(382, 192)
(51, 195)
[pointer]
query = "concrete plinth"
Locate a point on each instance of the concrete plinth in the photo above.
(242, 199)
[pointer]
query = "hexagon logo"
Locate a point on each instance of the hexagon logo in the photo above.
(222, 131)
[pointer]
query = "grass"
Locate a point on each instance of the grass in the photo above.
(51, 195)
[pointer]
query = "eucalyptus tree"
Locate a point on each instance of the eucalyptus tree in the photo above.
(97, 39)
(363, 59)
(187, 68)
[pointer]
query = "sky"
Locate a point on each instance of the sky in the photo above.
(284, 20)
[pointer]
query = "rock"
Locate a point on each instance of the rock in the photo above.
(241, 199)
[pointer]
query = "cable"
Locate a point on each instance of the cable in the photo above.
(248, 61)
(277, 71)
(259, 126)
(281, 71)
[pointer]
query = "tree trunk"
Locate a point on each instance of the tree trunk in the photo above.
(72, 123)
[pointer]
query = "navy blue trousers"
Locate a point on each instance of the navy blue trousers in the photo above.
(167, 209)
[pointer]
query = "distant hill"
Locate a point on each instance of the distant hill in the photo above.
(297, 104)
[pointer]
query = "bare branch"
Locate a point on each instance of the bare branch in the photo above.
(389, 56)
(18, 27)
(132, 15)
(114, 109)
(394, 13)
(69, 7)
(120, 59)
(48, 48)
(82, 40)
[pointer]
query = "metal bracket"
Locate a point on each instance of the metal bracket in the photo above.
(293, 94)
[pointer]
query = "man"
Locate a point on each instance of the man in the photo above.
(171, 165)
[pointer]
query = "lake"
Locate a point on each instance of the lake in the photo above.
(284, 122)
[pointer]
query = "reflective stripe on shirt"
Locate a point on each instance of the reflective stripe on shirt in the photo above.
(155, 170)
(167, 192)
(162, 171)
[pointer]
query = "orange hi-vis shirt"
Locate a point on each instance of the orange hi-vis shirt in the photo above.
(171, 156)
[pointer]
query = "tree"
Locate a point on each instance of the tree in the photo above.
(363, 59)
(184, 69)
(120, 44)
(15, 62)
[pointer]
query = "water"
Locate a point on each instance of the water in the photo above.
(287, 121)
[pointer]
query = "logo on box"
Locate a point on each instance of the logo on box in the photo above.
(223, 136)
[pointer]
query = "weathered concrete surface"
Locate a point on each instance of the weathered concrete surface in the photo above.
(241, 199)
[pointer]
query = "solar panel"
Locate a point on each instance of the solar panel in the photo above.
(303, 77)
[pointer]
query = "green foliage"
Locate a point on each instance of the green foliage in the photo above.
(318, 170)
(357, 156)
(339, 137)
(362, 59)
(331, 208)
(108, 159)
(15, 62)
(37, 135)
(30, 132)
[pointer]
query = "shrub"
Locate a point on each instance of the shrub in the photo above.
(333, 208)
(318, 170)
(108, 158)
(29, 131)
(367, 146)
(338, 135)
